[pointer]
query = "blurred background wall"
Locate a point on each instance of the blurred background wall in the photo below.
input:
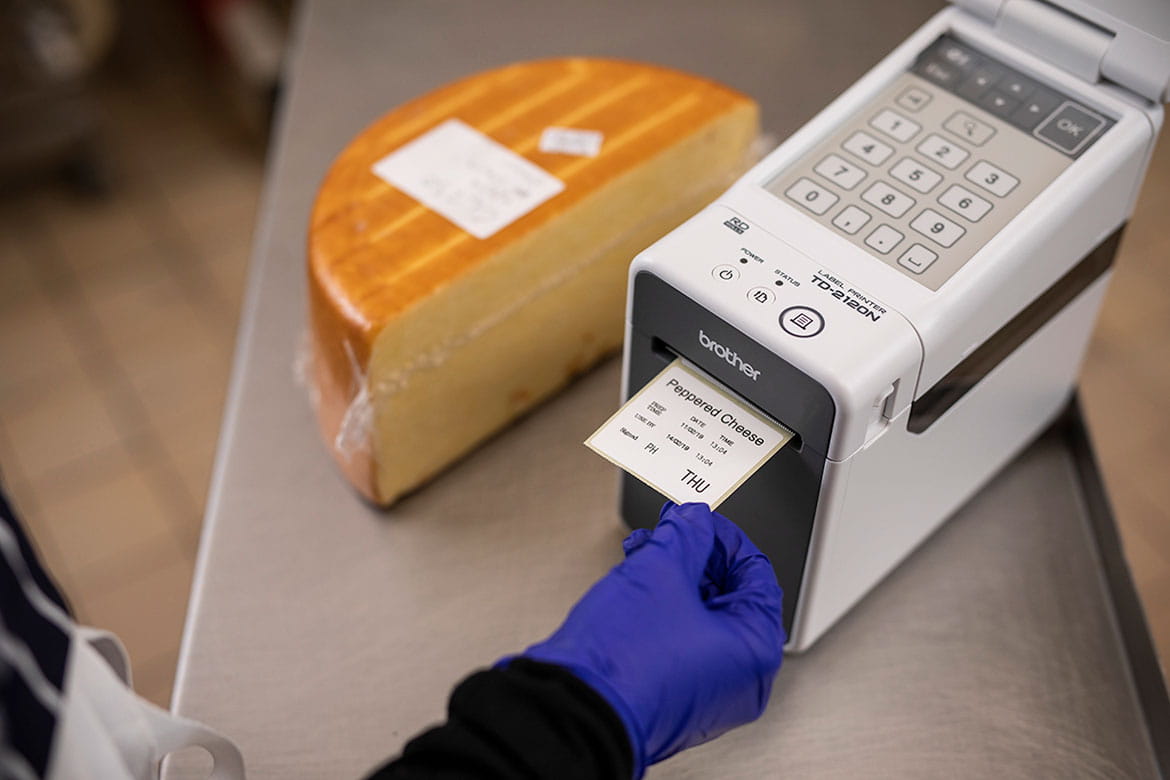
(132, 139)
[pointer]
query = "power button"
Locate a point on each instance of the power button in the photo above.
(725, 273)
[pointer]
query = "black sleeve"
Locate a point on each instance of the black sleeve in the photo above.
(528, 720)
(25, 546)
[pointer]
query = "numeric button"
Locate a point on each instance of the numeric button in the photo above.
(964, 203)
(947, 154)
(992, 179)
(916, 175)
(811, 195)
(895, 125)
(888, 199)
(937, 228)
(884, 239)
(851, 219)
(868, 148)
(839, 171)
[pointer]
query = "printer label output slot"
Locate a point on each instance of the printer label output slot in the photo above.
(667, 354)
(662, 350)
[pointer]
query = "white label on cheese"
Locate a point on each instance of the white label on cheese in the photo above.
(688, 438)
(466, 177)
(569, 140)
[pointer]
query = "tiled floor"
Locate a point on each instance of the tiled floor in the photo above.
(117, 323)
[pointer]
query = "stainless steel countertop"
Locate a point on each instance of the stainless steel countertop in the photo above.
(323, 633)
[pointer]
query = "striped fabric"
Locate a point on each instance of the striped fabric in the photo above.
(35, 630)
(67, 711)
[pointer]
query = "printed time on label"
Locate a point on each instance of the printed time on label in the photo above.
(688, 438)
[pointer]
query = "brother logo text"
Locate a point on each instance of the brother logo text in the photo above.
(730, 355)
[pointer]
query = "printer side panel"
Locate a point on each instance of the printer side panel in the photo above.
(1081, 209)
(880, 504)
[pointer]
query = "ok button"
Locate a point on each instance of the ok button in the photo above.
(725, 273)
(801, 321)
(1070, 128)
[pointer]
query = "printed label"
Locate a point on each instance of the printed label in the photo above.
(688, 438)
(467, 178)
(568, 140)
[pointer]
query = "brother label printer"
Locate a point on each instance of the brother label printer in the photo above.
(912, 277)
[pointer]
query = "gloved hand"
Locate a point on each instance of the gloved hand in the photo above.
(683, 638)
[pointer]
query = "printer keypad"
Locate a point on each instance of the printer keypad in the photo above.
(927, 159)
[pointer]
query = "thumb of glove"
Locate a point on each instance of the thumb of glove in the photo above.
(636, 540)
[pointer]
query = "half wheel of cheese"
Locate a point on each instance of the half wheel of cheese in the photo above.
(460, 270)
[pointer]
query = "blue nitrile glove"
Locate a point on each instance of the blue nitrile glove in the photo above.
(683, 638)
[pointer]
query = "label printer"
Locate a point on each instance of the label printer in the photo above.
(910, 281)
